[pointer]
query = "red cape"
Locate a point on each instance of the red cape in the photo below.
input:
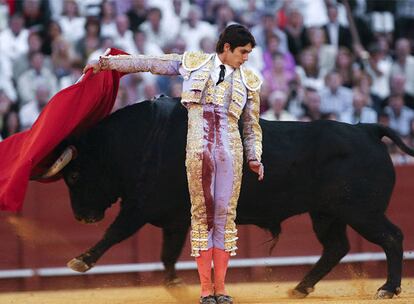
(70, 112)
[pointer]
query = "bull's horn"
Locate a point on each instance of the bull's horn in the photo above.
(67, 155)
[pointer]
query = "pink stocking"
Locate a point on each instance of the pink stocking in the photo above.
(221, 261)
(204, 271)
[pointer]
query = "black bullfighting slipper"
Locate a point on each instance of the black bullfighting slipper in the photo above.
(208, 300)
(224, 299)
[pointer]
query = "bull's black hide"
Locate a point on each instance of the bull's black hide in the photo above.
(340, 174)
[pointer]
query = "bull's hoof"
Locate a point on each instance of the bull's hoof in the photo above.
(386, 294)
(78, 265)
(300, 293)
(174, 283)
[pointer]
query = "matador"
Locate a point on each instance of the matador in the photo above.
(217, 91)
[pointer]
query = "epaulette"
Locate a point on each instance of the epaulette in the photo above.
(250, 79)
(194, 60)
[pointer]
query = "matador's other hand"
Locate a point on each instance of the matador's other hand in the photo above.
(258, 168)
(92, 65)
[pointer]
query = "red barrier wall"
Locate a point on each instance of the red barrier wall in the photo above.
(45, 234)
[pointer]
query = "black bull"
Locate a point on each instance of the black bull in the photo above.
(338, 173)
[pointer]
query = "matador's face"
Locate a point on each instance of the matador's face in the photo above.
(238, 56)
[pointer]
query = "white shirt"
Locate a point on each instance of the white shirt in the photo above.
(333, 31)
(284, 116)
(314, 12)
(216, 70)
(149, 48)
(400, 123)
(367, 115)
(88, 7)
(380, 83)
(193, 36)
(109, 29)
(73, 29)
(28, 114)
(162, 37)
(125, 42)
(14, 46)
(408, 71)
(337, 102)
(4, 16)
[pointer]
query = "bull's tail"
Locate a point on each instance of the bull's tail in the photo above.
(391, 134)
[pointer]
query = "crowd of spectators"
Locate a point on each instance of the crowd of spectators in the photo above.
(319, 59)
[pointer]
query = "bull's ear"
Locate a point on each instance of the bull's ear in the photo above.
(67, 155)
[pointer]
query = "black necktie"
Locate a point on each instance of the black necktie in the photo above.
(222, 73)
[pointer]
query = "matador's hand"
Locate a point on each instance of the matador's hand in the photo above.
(92, 65)
(258, 168)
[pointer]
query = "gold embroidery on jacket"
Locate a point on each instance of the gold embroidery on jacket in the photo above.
(194, 60)
(194, 163)
(237, 99)
(256, 127)
(250, 79)
(191, 96)
(198, 85)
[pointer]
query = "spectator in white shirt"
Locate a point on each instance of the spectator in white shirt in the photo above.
(195, 29)
(335, 98)
(124, 38)
(400, 116)
(75, 73)
(6, 73)
(155, 29)
(312, 105)
(359, 112)
(379, 70)
(107, 42)
(277, 103)
(22, 63)
(267, 26)
(177, 15)
(4, 14)
(72, 25)
(308, 69)
(404, 64)
(326, 52)
(314, 12)
(397, 87)
(145, 47)
(90, 7)
(108, 16)
(30, 111)
(13, 40)
(32, 78)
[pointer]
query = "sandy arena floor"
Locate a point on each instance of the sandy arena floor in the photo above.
(338, 292)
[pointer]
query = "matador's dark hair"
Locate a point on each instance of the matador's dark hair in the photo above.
(235, 35)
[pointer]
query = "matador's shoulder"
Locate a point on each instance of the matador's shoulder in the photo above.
(194, 60)
(250, 79)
